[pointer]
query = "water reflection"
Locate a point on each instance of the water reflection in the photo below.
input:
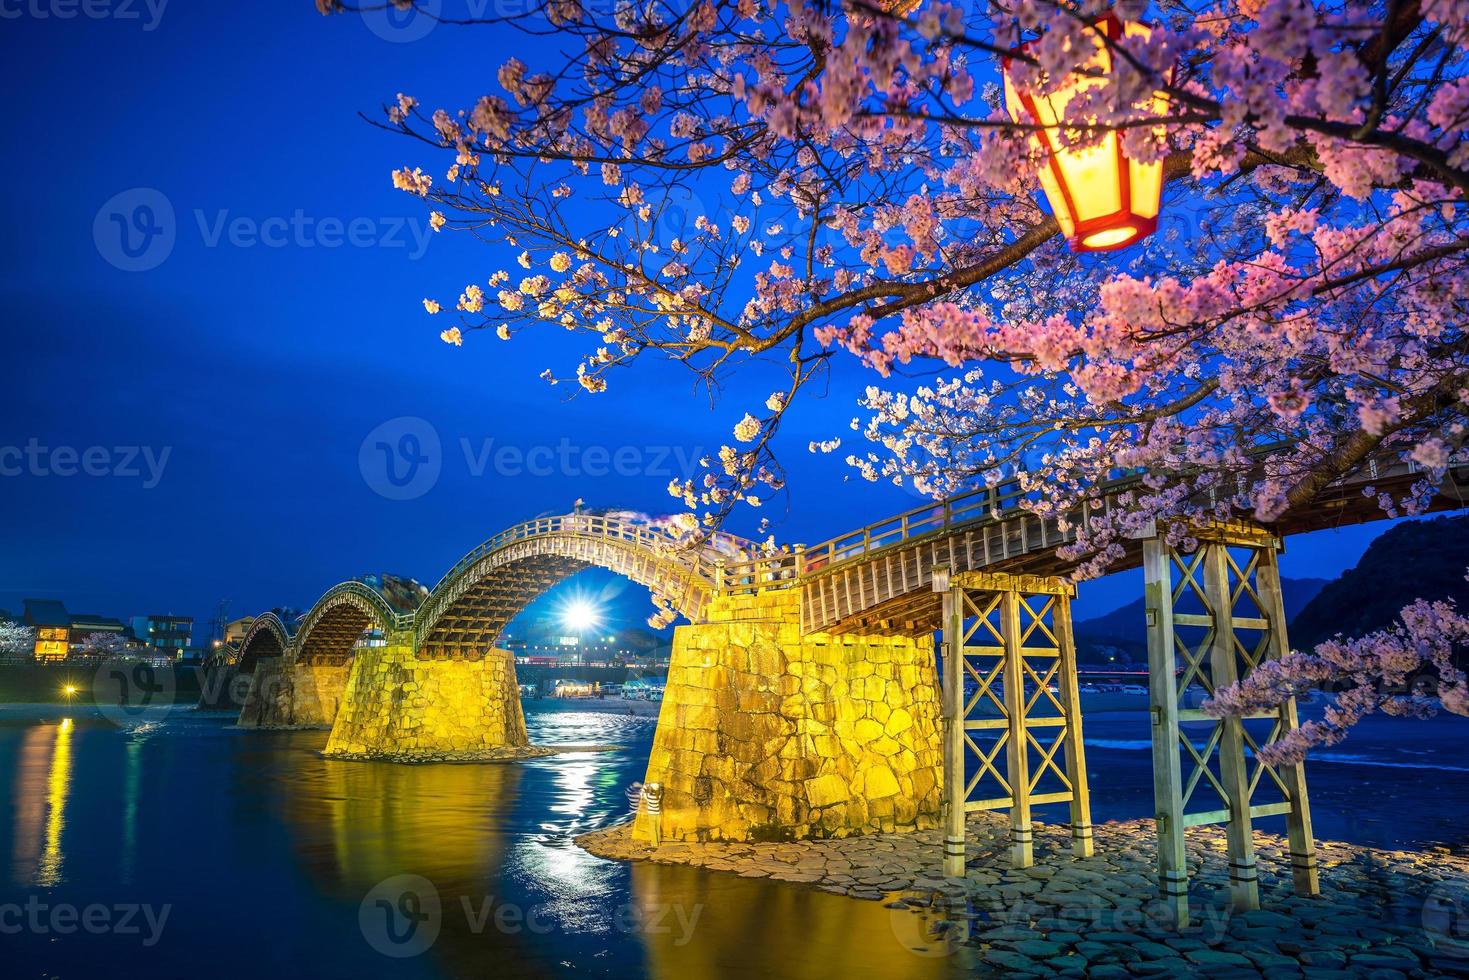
(298, 846)
(356, 823)
(132, 778)
(42, 784)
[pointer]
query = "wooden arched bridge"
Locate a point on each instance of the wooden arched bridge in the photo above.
(803, 697)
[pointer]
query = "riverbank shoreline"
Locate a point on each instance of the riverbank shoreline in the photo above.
(1381, 913)
(518, 753)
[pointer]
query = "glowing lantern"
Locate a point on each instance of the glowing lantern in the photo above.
(1101, 198)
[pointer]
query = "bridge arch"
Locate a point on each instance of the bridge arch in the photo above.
(266, 637)
(475, 600)
(334, 625)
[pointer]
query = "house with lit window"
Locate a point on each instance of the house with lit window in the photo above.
(166, 635)
(52, 623)
(90, 633)
(235, 630)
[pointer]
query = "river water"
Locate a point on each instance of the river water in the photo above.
(271, 861)
(184, 846)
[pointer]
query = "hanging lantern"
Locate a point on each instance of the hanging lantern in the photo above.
(1101, 198)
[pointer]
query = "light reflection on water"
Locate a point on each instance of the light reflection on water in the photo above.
(41, 786)
(252, 834)
(58, 785)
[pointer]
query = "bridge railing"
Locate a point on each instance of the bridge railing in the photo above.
(971, 507)
(974, 507)
(754, 574)
(660, 543)
(397, 620)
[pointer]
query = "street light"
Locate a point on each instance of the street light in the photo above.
(1102, 199)
(580, 615)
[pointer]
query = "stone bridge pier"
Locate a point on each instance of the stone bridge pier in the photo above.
(401, 707)
(766, 734)
(288, 693)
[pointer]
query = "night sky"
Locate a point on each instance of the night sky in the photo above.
(260, 367)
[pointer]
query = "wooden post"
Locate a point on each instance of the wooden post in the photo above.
(1163, 704)
(1234, 768)
(1301, 838)
(953, 695)
(1018, 748)
(1081, 806)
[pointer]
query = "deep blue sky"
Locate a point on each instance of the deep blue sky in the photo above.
(260, 370)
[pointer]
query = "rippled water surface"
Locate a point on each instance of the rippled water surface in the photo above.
(247, 854)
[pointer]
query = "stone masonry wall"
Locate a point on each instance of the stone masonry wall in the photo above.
(402, 708)
(286, 694)
(765, 734)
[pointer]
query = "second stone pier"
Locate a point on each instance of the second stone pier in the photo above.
(766, 734)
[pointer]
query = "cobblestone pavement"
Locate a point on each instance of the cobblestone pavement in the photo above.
(1381, 914)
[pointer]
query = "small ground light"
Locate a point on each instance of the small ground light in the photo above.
(69, 690)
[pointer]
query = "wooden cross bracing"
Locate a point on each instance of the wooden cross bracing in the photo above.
(1010, 638)
(1214, 616)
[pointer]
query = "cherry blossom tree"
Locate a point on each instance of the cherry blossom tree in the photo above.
(1371, 673)
(724, 182)
(16, 639)
(104, 646)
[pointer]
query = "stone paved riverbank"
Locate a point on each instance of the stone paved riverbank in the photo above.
(1381, 914)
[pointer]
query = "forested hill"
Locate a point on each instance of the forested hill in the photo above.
(1415, 559)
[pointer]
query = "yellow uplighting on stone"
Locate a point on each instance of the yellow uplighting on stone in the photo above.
(766, 734)
(402, 707)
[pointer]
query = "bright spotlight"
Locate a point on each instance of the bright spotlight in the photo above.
(579, 615)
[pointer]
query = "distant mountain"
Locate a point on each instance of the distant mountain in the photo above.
(1121, 634)
(1417, 559)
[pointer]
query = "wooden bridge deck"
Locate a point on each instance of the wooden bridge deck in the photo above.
(879, 579)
